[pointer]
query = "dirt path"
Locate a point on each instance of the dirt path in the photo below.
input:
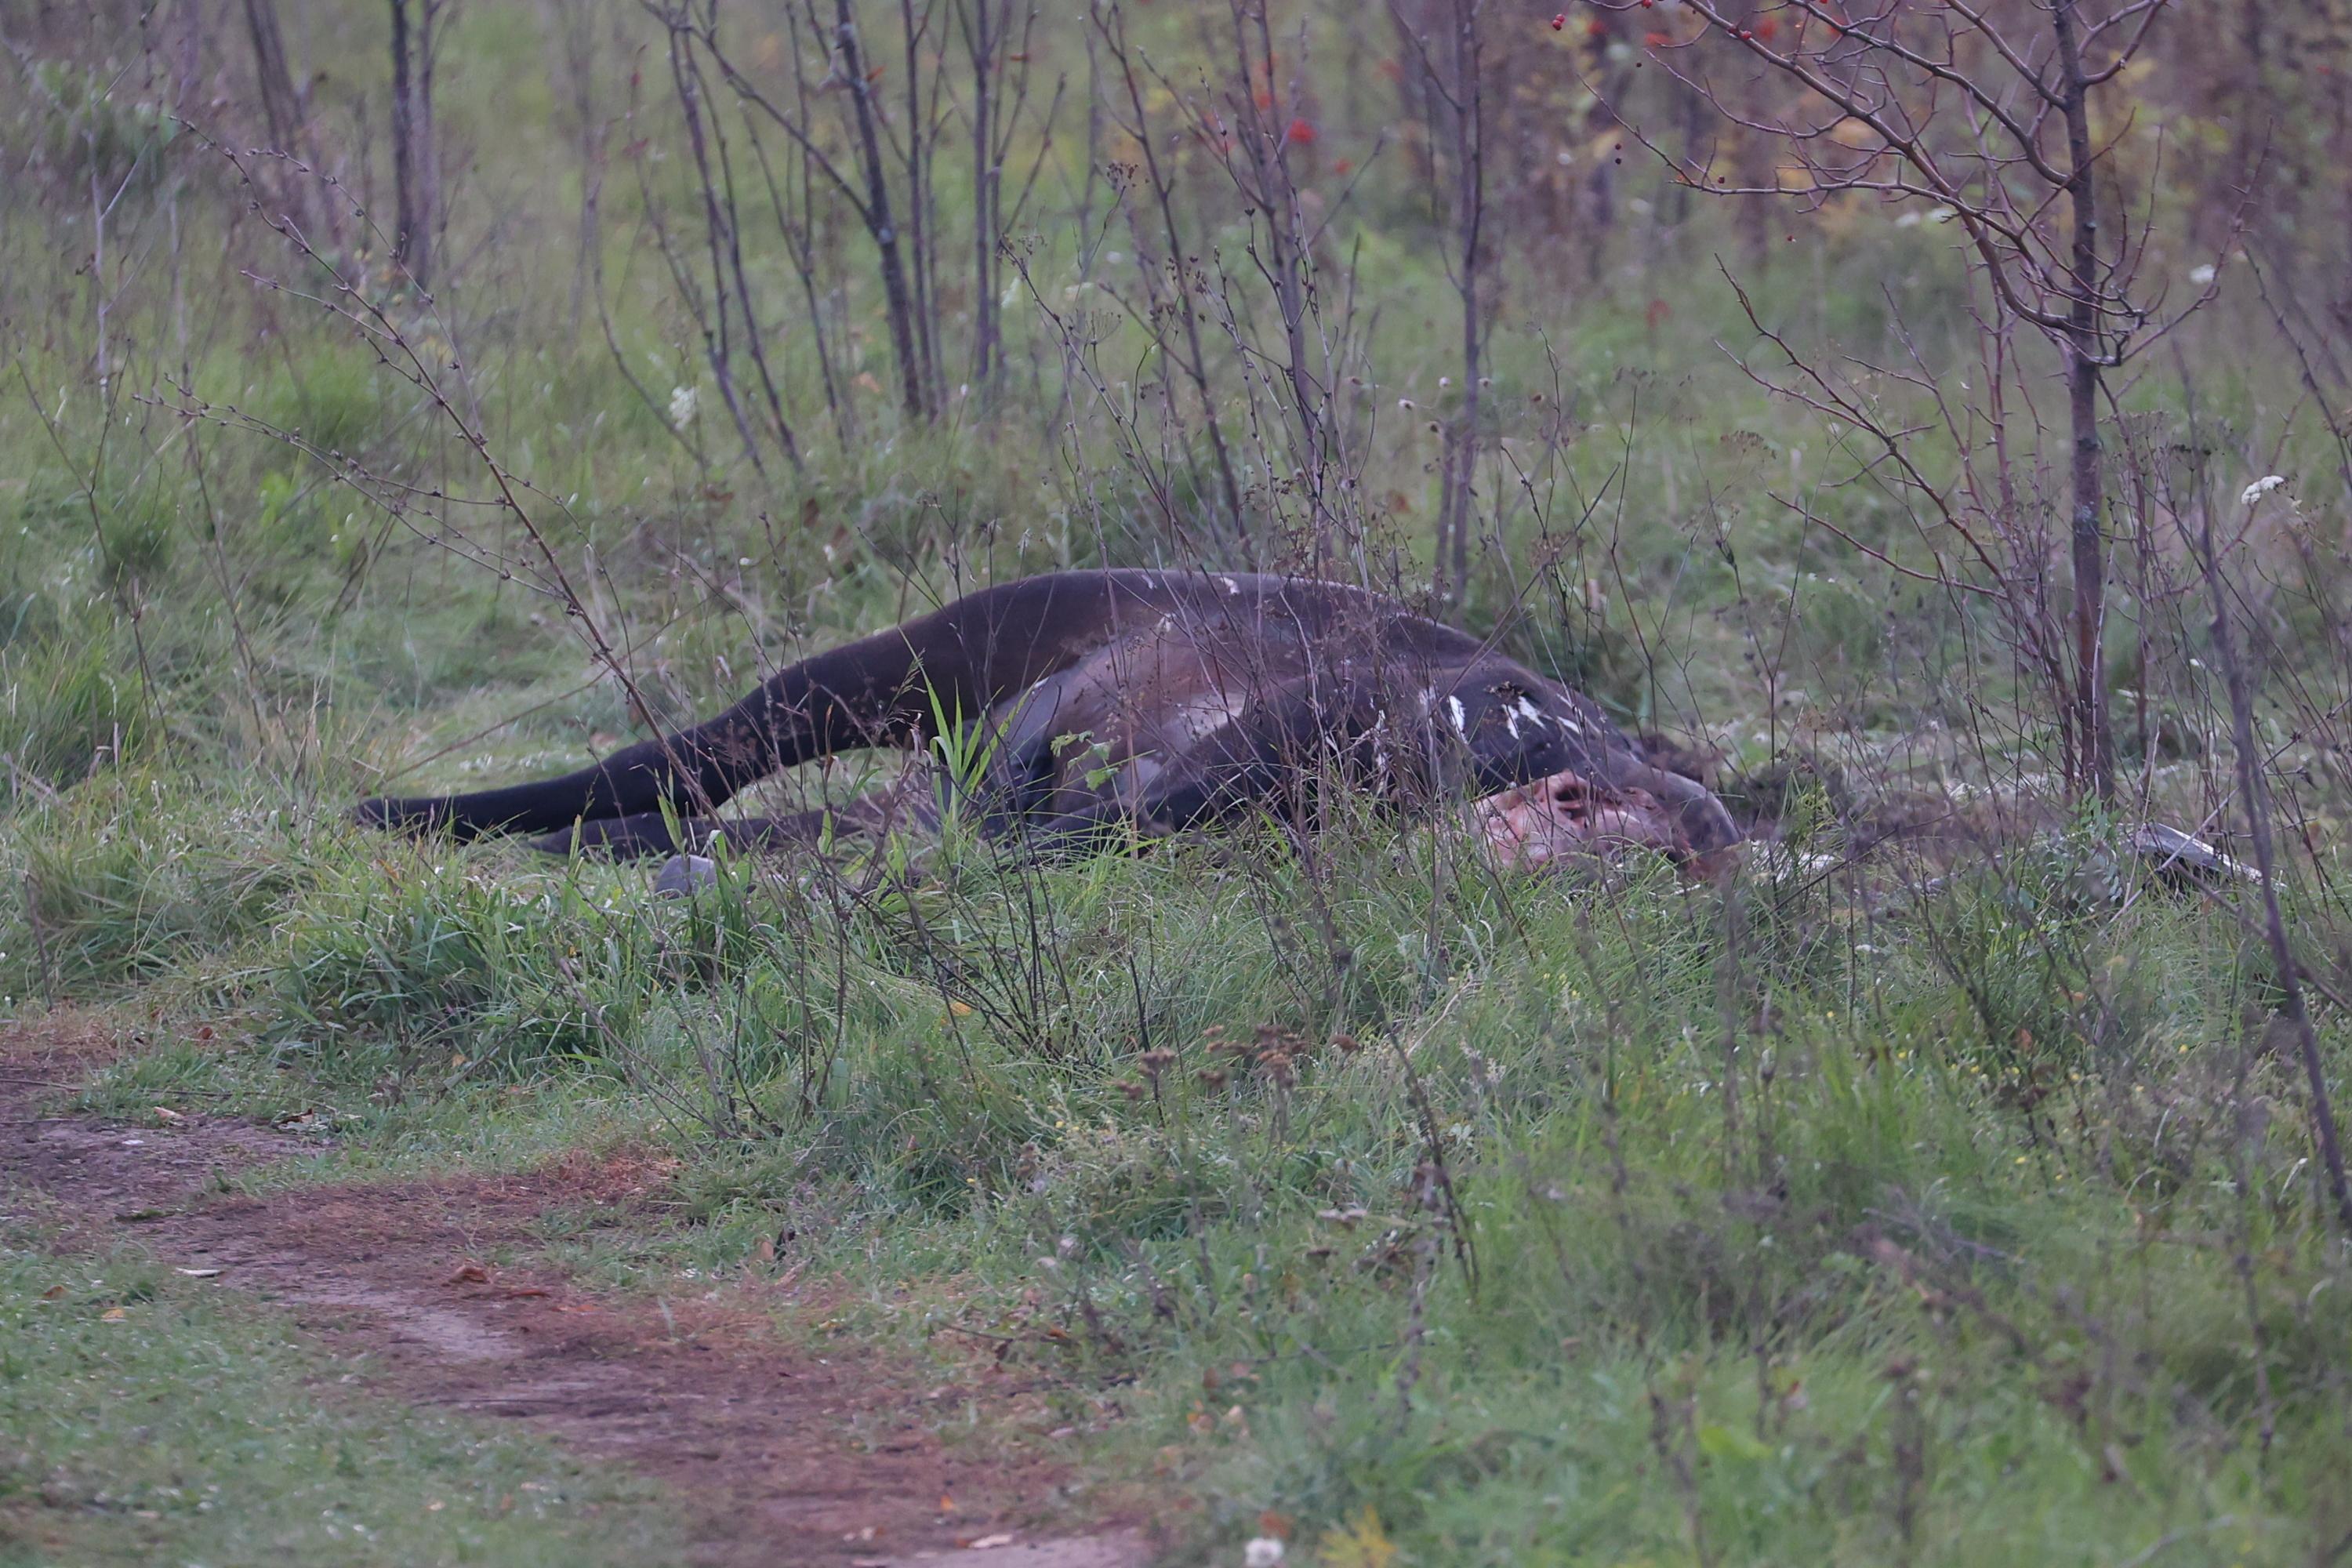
(772, 1454)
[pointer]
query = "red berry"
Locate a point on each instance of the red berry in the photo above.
(1559, 21)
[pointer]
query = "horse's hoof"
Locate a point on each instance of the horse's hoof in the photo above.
(684, 875)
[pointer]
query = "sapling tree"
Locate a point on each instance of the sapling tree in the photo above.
(416, 150)
(1446, 42)
(865, 107)
(1990, 115)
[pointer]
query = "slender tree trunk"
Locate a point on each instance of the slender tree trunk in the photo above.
(428, 140)
(286, 115)
(410, 130)
(724, 245)
(898, 301)
(986, 178)
(281, 107)
(922, 230)
(2096, 768)
(1456, 511)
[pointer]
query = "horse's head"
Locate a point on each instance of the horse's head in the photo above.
(1572, 815)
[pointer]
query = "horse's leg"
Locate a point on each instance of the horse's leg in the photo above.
(1273, 753)
(888, 689)
(907, 803)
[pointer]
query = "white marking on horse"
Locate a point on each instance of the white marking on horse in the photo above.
(1233, 589)
(1461, 718)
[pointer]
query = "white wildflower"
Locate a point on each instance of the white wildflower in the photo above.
(2261, 488)
(2200, 276)
(1265, 1551)
(684, 402)
(1942, 215)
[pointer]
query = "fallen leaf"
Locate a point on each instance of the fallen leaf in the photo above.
(114, 1315)
(525, 1291)
(947, 1503)
(168, 1116)
(468, 1274)
(1360, 1543)
(199, 1273)
(53, 1293)
(991, 1542)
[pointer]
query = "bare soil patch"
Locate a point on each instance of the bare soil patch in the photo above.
(773, 1454)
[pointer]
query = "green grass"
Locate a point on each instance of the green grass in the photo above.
(1894, 1302)
(1958, 1209)
(153, 1418)
(1927, 1247)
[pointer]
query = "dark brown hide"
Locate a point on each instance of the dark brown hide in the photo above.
(1127, 698)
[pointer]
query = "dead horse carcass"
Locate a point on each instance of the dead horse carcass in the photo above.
(1150, 700)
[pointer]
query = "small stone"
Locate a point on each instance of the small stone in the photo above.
(683, 875)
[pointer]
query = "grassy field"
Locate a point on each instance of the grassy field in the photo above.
(1955, 1202)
